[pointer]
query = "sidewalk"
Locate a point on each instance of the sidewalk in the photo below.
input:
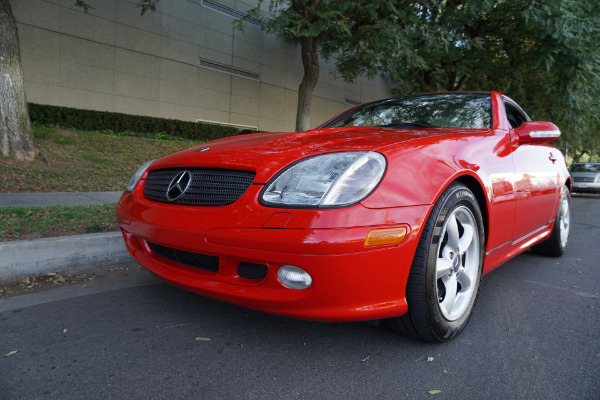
(23, 258)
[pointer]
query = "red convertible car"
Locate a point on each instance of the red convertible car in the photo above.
(391, 210)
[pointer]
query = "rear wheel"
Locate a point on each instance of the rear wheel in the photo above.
(444, 279)
(556, 244)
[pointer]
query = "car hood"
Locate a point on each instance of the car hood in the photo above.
(268, 153)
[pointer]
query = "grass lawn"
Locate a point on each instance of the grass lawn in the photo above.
(21, 223)
(74, 161)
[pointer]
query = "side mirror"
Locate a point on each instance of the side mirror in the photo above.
(537, 132)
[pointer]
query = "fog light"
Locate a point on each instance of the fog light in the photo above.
(294, 277)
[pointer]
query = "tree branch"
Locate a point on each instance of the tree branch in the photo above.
(462, 82)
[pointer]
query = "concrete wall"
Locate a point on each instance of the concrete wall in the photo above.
(114, 59)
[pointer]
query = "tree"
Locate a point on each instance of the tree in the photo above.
(319, 27)
(16, 137)
(542, 53)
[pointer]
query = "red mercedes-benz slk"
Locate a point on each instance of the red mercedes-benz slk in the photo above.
(393, 209)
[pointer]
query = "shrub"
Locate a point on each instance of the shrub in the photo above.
(90, 120)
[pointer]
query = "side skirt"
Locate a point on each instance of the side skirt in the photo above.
(498, 256)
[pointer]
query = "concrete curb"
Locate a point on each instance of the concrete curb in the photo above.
(23, 258)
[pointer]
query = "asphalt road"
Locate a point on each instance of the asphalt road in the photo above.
(126, 335)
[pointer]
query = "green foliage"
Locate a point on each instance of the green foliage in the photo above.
(34, 222)
(542, 53)
(42, 132)
(125, 124)
(309, 18)
(330, 24)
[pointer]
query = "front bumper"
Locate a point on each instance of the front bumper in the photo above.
(586, 187)
(351, 282)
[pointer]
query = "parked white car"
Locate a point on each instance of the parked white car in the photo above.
(586, 177)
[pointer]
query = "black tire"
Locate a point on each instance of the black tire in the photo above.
(435, 314)
(556, 244)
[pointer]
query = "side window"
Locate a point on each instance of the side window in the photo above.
(514, 115)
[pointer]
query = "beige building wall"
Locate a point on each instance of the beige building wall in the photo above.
(163, 63)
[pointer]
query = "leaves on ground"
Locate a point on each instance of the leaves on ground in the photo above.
(203, 339)
(43, 282)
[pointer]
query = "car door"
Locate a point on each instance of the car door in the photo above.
(536, 177)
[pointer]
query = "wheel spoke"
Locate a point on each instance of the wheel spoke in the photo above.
(452, 230)
(565, 214)
(448, 303)
(466, 239)
(465, 281)
(442, 267)
(564, 222)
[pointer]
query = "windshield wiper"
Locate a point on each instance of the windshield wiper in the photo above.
(408, 125)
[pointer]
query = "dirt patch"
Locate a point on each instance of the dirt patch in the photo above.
(63, 133)
(43, 282)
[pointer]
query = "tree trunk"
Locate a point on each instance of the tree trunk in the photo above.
(16, 138)
(310, 60)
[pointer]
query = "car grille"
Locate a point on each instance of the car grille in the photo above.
(584, 179)
(195, 260)
(208, 187)
(208, 263)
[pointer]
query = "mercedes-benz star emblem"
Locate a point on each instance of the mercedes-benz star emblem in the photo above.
(179, 185)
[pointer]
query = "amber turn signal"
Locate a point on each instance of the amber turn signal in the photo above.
(380, 237)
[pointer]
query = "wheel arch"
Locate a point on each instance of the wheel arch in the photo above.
(569, 184)
(475, 186)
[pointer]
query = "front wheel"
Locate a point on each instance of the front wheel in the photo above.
(444, 278)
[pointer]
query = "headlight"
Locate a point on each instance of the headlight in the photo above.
(326, 180)
(137, 176)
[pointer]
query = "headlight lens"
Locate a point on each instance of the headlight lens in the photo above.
(327, 180)
(137, 176)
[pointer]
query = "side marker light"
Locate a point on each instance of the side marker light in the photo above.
(381, 237)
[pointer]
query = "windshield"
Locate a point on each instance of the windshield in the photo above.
(586, 167)
(443, 110)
